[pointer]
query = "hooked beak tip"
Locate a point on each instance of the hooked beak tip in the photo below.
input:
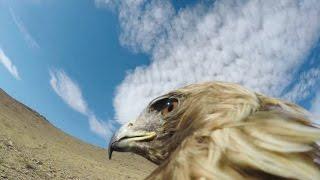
(110, 150)
(123, 139)
(111, 145)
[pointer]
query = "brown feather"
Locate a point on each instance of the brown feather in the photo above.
(224, 131)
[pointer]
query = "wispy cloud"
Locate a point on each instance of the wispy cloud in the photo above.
(306, 83)
(315, 108)
(259, 44)
(7, 63)
(101, 128)
(68, 90)
(71, 94)
(24, 31)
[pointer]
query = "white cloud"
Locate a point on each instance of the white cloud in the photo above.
(256, 43)
(315, 108)
(68, 90)
(23, 30)
(306, 83)
(7, 63)
(71, 94)
(101, 128)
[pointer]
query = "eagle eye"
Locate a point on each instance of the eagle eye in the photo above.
(165, 106)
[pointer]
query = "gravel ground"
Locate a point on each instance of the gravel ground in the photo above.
(32, 148)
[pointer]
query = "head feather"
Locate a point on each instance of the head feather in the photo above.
(224, 131)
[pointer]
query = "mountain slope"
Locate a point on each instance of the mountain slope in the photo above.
(32, 148)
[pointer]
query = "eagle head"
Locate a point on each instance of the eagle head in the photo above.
(153, 133)
(222, 130)
(170, 118)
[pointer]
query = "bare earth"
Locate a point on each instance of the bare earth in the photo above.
(32, 148)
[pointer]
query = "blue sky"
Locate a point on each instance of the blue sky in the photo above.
(82, 41)
(89, 66)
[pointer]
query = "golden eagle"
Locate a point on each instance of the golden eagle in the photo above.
(222, 130)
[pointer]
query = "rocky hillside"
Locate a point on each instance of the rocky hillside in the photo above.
(32, 148)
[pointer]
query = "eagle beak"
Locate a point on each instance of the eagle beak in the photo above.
(127, 138)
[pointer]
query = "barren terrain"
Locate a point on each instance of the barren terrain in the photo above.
(32, 148)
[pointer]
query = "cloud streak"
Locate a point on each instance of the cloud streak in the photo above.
(23, 30)
(101, 128)
(69, 91)
(307, 82)
(7, 63)
(315, 108)
(259, 44)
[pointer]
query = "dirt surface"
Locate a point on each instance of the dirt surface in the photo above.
(32, 148)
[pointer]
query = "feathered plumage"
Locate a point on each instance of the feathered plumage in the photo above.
(223, 131)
